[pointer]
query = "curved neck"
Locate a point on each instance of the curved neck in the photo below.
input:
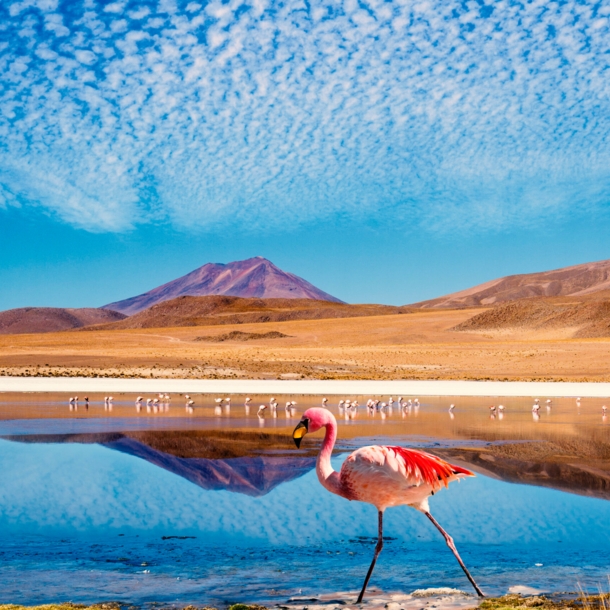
(327, 476)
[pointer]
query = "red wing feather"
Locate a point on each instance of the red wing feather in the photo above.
(430, 468)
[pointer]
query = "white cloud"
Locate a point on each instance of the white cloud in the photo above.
(436, 113)
(85, 57)
(114, 7)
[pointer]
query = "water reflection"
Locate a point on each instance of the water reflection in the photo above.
(115, 512)
(253, 475)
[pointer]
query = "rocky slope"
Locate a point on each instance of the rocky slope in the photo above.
(584, 317)
(254, 277)
(579, 280)
(52, 319)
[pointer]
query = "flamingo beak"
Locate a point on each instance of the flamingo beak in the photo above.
(299, 432)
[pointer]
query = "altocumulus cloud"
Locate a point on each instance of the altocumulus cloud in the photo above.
(260, 113)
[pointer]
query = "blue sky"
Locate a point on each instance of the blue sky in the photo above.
(386, 151)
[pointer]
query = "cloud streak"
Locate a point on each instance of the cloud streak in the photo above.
(261, 113)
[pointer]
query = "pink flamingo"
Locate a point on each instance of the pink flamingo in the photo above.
(383, 477)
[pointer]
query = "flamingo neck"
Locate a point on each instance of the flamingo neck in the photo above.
(326, 474)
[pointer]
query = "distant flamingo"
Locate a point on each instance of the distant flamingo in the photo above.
(247, 401)
(383, 477)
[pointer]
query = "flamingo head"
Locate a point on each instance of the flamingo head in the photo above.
(312, 421)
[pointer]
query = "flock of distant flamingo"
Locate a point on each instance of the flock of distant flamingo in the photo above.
(348, 408)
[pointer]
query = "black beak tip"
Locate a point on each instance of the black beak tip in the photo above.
(297, 442)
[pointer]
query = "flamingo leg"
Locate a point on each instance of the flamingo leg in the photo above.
(451, 545)
(377, 551)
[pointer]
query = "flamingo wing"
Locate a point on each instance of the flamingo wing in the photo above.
(390, 476)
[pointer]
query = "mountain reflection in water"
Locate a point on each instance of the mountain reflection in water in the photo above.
(253, 476)
(250, 475)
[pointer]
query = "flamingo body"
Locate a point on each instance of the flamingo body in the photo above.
(387, 476)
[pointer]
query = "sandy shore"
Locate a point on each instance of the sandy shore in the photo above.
(307, 386)
(439, 599)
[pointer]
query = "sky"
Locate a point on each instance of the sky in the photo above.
(385, 151)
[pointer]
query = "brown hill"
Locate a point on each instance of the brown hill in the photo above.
(52, 319)
(254, 277)
(578, 280)
(585, 317)
(214, 310)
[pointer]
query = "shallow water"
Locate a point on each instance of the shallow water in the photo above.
(118, 520)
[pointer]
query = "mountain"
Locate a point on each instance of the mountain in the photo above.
(52, 319)
(254, 277)
(215, 310)
(579, 280)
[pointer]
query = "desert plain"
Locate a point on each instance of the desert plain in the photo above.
(415, 344)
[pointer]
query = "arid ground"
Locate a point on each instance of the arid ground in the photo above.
(414, 345)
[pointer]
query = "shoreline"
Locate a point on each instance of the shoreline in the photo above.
(308, 387)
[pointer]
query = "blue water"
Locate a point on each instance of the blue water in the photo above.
(87, 523)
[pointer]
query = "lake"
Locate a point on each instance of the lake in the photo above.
(216, 506)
